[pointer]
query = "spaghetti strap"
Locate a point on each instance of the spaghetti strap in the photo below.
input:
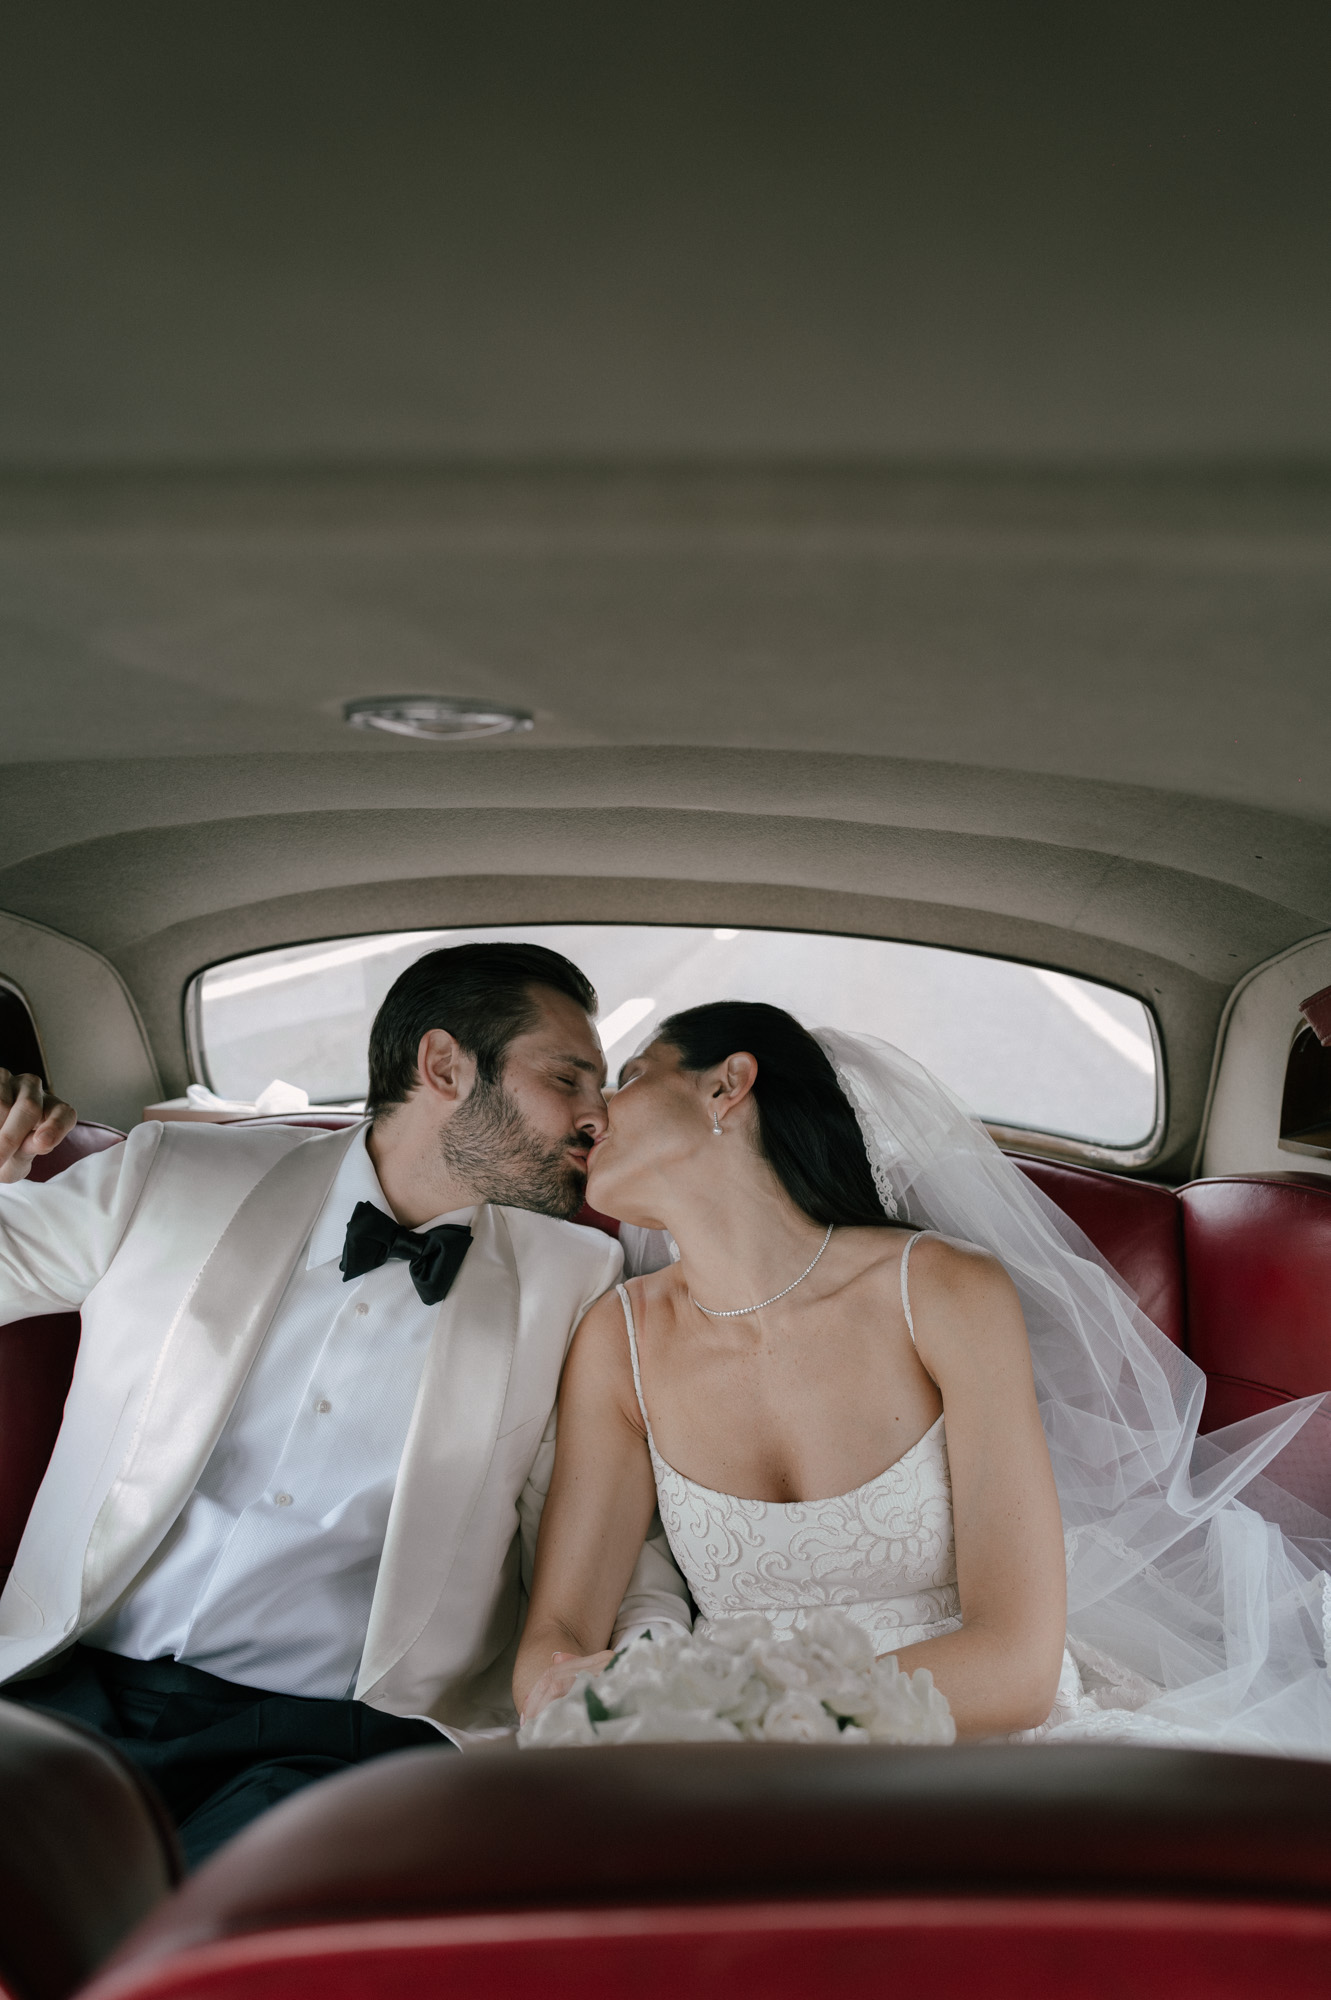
(905, 1296)
(633, 1357)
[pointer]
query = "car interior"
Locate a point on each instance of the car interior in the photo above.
(823, 504)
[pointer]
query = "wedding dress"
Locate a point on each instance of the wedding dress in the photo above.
(882, 1554)
(1199, 1593)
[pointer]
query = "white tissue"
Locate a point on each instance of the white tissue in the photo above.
(272, 1102)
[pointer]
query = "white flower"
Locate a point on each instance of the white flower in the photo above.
(840, 1638)
(906, 1708)
(668, 1725)
(799, 1717)
(780, 1662)
(736, 1635)
(564, 1724)
(739, 1679)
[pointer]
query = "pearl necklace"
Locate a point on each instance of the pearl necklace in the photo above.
(742, 1312)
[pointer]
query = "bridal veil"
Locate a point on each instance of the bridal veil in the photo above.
(1199, 1601)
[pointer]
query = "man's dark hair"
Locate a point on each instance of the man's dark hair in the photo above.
(481, 993)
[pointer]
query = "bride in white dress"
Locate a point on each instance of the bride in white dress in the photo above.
(886, 1375)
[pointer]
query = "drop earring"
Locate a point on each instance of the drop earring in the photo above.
(716, 1125)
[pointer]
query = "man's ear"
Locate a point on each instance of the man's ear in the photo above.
(446, 1071)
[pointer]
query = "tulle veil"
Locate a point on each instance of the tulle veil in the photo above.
(1199, 1593)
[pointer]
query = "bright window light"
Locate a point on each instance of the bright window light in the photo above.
(1024, 1045)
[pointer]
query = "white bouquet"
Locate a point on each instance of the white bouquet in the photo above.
(737, 1681)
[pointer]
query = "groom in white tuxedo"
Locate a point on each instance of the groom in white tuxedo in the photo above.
(290, 1516)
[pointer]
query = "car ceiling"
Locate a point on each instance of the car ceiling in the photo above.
(889, 450)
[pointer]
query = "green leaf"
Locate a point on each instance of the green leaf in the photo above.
(596, 1708)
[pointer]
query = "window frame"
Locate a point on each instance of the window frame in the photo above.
(1013, 1138)
(1306, 1148)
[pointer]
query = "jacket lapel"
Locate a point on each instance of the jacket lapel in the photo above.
(449, 1445)
(203, 1361)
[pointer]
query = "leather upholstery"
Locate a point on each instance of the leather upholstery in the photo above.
(672, 1824)
(1258, 1250)
(952, 1948)
(1135, 1225)
(36, 1363)
(85, 1853)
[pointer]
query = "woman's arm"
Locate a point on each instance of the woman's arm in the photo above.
(1000, 1670)
(602, 1495)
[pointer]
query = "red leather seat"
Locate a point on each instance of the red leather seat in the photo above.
(1135, 1225)
(1258, 1250)
(952, 1948)
(710, 1869)
(36, 1364)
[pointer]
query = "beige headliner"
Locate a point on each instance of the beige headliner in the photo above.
(1078, 714)
(981, 710)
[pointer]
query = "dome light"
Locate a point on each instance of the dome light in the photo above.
(438, 718)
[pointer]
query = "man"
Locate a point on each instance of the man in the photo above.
(290, 1516)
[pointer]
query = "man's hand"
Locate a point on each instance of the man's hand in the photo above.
(559, 1677)
(33, 1121)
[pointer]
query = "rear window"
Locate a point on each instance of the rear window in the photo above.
(1030, 1050)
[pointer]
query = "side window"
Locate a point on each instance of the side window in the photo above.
(1305, 1110)
(1042, 1055)
(20, 1050)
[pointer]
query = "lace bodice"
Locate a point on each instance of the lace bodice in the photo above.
(883, 1554)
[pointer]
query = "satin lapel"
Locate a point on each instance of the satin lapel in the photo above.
(449, 1446)
(203, 1362)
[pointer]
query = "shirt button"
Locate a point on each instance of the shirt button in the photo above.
(323, 1406)
(282, 1499)
(361, 1308)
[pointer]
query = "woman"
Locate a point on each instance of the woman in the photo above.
(833, 1406)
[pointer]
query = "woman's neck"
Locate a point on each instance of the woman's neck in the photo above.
(742, 1248)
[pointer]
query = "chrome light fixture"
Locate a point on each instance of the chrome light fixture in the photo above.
(438, 718)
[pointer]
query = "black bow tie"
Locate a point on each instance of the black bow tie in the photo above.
(433, 1256)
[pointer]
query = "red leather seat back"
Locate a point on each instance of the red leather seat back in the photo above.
(1136, 1226)
(592, 1218)
(1259, 1290)
(36, 1363)
(676, 1825)
(952, 1947)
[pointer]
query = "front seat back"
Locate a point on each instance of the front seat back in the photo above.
(86, 1852)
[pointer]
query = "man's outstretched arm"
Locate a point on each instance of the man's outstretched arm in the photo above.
(58, 1237)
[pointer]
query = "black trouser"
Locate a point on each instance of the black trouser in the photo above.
(218, 1754)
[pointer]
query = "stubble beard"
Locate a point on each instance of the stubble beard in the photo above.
(490, 1146)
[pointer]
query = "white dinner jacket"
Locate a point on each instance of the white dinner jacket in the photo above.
(177, 1247)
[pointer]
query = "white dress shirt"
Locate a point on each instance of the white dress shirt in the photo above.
(267, 1576)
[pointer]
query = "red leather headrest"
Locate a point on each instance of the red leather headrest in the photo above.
(1259, 1289)
(1135, 1225)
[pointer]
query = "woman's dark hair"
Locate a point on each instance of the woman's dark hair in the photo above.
(482, 994)
(809, 1134)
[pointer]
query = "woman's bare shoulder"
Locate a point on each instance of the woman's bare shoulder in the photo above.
(949, 1264)
(599, 1370)
(655, 1289)
(876, 1253)
(960, 1293)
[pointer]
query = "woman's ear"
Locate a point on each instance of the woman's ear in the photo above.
(737, 1077)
